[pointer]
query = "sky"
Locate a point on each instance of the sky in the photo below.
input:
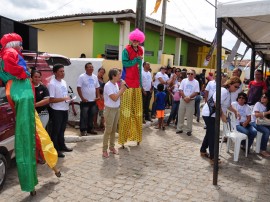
(194, 16)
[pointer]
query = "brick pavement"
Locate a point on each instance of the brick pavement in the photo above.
(165, 167)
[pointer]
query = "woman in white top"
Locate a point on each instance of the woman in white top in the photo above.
(111, 113)
(261, 109)
(230, 85)
(243, 125)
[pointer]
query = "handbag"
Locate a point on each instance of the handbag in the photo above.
(263, 121)
(211, 105)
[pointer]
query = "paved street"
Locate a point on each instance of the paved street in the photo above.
(165, 167)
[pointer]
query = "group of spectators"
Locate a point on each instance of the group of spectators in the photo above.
(186, 89)
(247, 106)
(180, 90)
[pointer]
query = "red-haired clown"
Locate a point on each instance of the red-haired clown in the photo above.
(130, 123)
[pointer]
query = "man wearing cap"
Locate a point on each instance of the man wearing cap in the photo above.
(19, 92)
(130, 122)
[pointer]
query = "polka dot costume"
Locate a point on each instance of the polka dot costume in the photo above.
(130, 122)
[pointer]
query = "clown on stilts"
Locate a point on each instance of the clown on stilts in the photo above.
(29, 131)
(130, 122)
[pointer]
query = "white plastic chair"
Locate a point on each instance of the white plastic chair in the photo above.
(258, 142)
(258, 137)
(229, 131)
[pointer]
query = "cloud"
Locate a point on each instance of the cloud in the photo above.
(29, 4)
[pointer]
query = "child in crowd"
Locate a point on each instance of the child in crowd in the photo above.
(100, 104)
(176, 101)
(160, 105)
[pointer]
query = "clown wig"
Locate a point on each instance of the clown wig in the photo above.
(137, 35)
(11, 40)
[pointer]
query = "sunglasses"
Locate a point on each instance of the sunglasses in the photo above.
(189, 73)
(264, 97)
(21, 44)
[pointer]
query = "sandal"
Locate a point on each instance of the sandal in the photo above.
(264, 153)
(212, 161)
(113, 150)
(105, 154)
(58, 174)
(205, 154)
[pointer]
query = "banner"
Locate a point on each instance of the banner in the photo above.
(158, 2)
(212, 48)
(232, 55)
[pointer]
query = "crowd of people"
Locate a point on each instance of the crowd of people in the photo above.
(122, 104)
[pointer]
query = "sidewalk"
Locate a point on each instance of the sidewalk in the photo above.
(165, 167)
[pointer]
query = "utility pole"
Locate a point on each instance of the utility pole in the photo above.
(162, 30)
(140, 15)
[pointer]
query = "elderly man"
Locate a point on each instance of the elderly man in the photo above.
(189, 89)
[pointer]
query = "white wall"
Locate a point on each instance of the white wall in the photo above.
(73, 71)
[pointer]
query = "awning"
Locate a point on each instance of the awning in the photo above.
(250, 21)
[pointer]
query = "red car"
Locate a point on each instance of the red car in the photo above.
(35, 60)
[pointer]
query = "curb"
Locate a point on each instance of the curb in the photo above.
(76, 138)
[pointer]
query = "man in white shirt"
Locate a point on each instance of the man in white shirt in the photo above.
(189, 89)
(88, 90)
(146, 90)
(59, 109)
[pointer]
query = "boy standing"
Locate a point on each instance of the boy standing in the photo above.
(160, 105)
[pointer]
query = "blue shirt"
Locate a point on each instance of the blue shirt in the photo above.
(160, 100)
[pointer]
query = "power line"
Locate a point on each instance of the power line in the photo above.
(59, 8)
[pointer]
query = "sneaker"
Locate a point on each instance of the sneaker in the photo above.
(83, 133)
(113, 150)
(189, 133)
(180, 131)
(105, 154)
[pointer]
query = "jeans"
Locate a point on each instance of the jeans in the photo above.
(265, 130)
(153, 111)
(198, 99)
(250, 131)
(174, 111)
(209, 138)
(146, 103)
(88, 111)
(59, 122)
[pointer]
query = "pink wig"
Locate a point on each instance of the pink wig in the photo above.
(137, 35)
